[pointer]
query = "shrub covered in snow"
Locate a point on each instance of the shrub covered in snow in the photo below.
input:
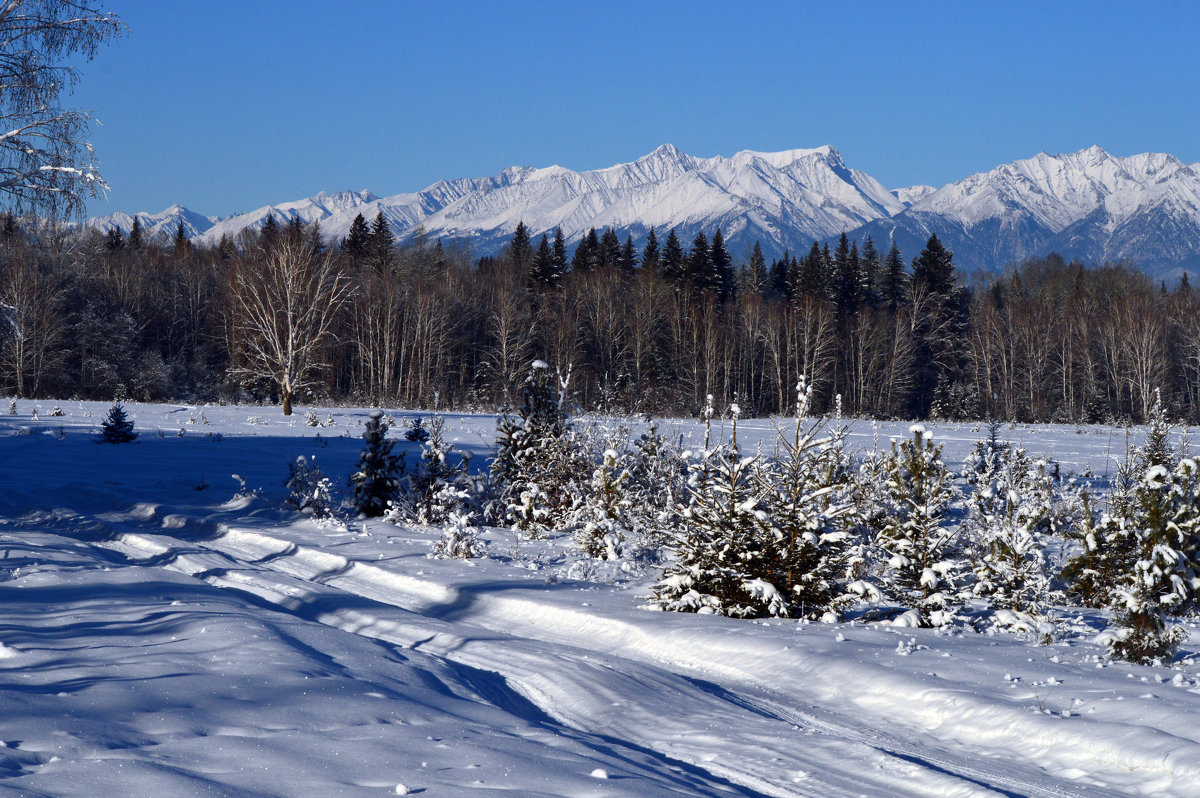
(309, 490)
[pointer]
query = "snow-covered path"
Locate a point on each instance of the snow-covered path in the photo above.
(562, 677)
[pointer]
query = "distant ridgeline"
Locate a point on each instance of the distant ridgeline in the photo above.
(1088, 206)
(280, 313)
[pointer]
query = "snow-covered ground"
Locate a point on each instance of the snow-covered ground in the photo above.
(164, 631)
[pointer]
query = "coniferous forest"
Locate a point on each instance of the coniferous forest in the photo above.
(283, 315)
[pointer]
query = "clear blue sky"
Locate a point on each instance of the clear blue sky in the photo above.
(228, 106)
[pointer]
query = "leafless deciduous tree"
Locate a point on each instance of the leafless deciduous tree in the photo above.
(46, 166)
(285, 305)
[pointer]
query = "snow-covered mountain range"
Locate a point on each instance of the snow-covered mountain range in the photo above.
(1088, 205)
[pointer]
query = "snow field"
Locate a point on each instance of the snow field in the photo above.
(561, 673)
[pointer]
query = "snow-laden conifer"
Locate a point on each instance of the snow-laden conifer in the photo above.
(377, 479)
(605, 523)
(921, 548)
(811, 511)
(459, 540)
(1163, 521)
(719, 548)
(537, 468)
(309, 490)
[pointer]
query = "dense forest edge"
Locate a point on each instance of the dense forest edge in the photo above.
(283, 315)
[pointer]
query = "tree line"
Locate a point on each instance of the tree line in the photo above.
(282, 313)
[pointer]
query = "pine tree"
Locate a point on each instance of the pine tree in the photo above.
(534, 467)
(629, 257)
(933, 269)
(357, 240)
(182, 245)
(650, 252)
(699, 268)
(609, 254)
(869, 274)
(722, 279)
(921, 549)
(673, 261)
(808, 501)
(587, 254)
(605, 526)
(755, 275)
(268, 236)
(117, 427)
(114, 241)
(376, 481)
(1164, 522)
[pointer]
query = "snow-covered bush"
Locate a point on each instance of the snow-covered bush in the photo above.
(1163, 524)
(720, 546)
(117, 427)
(1010, 516)
(459, 540)
(439, 488)
(606, 509)
(538, 468)
(311, 420)
(807, 496)
(416, 431)
(309, 490)
(376, 481)
(921, 550)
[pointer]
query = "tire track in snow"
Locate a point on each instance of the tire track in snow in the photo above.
(256, 552)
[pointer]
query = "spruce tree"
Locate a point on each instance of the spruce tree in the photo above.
(268, 236)
(629, 257)
(893, 289)
(137, 238)
(722, 279)
(558, 255)
(869, 274)
(587, 253)
(520, 251)
(609, 255)
(182, 245)
(755, 275)
(357, 240)
(650, 252)
(117, 427)
(922, 551)
(673, 262)
(376, 481)
(541, 273)
(699, 264)
(381, 245)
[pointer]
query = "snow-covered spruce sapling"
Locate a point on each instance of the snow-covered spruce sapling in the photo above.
(459, 540)
(605, 526)
(439, 488)
(719, 546)
(309, 490)
(922, 555)
(117, 427)
(416, 432)
(376, 481)
(806, 490)
(1163, 521)
(537, 466)
(1009, 518)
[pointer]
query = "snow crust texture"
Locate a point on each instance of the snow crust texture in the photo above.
(165, 630)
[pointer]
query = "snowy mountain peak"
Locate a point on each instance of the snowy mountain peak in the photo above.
(1088, 204)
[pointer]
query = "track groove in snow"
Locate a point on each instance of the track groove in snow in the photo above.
(300, 578)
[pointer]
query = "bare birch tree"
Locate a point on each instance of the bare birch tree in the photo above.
(285, 304)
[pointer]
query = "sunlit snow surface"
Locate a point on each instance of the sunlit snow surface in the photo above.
(159, 636)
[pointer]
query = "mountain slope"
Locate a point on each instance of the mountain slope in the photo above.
(1088, 205)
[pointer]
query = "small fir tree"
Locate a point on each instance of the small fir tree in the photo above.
(921, 549)
(376, 481)
(117, 427)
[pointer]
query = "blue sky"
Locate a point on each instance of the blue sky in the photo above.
(228, 106)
